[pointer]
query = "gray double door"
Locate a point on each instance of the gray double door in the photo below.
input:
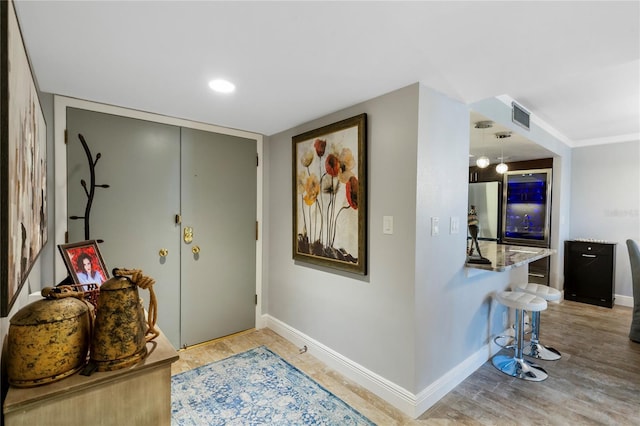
(180, 206)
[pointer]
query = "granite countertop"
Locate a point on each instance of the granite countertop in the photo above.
(505, 256)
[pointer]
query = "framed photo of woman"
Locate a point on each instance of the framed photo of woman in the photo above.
(84, 262)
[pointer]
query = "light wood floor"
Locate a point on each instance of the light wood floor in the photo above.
(597, 381)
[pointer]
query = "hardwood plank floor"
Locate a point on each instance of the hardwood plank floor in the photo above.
(597, 381)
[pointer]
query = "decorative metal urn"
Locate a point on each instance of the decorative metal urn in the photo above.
(48, 339)
(119, 337)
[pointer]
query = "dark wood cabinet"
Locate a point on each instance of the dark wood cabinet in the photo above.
(489, 174)
(539, 271)
(589, 272)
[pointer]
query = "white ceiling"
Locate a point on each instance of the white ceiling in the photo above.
(515, 147)
(574, 65)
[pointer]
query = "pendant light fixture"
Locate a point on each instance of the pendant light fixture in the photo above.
(483, 161)
(502, 167)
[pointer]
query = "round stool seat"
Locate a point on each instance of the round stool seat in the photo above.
(521, 300)
(534, 348)
(514, 365)
(544, 291)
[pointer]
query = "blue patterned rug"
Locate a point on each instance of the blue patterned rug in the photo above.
(256, 387)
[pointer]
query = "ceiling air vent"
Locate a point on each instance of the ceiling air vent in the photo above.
(520, 116)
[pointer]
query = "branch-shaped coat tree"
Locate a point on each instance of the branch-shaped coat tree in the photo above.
(91, 189)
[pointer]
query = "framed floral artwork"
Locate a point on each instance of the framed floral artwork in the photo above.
(330, 195)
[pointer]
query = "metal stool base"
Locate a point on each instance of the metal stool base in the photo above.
(533, 348)
(540, 351)
(505, 341)
(519, 368)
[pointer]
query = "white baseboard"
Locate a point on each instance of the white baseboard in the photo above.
(624, 301)
(445, 384)
(409, 403)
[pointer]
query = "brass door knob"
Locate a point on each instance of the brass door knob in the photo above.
(195, 250)
(163, 252)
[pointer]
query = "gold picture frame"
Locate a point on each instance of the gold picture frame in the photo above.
(23, 163)
(329, 202)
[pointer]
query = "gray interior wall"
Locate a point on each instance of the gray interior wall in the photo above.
(455, 314)
(366, 319)
(50, 250)
(605, 200)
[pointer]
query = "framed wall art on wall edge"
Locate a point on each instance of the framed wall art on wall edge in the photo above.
(23, 163)
(329, 166)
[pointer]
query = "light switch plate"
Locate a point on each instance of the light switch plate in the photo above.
(387, 224)
(454, 227)
(435, 226)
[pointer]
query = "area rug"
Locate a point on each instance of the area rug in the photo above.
(256, 387)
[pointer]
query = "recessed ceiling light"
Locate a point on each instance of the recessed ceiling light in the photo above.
(222, 86)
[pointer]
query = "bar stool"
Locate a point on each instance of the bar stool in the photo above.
(516, 365)
(534, 348)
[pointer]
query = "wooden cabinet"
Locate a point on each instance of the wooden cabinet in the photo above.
(589, 272)
(139, 395)
(489, 174)
(539, 271)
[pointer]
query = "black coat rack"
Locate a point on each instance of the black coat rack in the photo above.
(90, 190)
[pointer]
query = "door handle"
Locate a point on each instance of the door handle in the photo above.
(163, 252)
(588, 255)
(195, 250)
(188, 234)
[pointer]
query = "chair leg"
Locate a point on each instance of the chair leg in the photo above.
(516, 365)
(534, 348)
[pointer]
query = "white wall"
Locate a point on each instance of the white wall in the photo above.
(605, 202)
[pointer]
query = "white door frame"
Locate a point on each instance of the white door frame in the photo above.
(60, 169)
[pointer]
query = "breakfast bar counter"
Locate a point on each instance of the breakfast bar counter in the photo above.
(505, 256)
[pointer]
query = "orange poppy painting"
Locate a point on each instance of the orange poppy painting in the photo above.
(329, 195)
